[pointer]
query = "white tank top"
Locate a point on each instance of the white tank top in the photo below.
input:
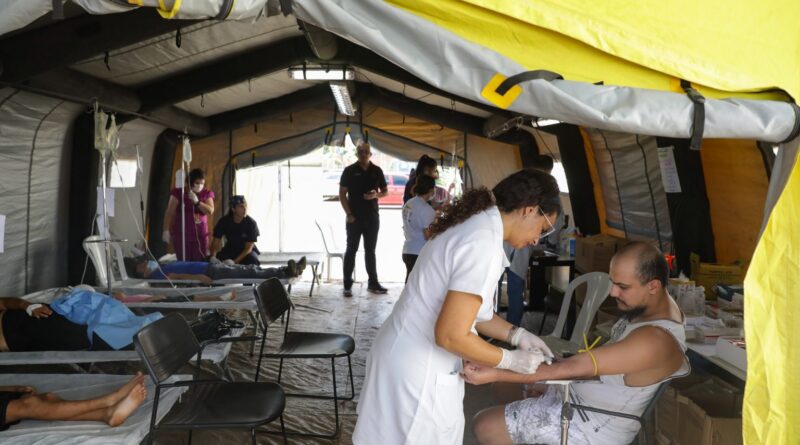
(614, 395)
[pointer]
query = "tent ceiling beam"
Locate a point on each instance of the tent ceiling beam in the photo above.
(364, 93)
(63, 43)
(274, 57)
(74, 86)
(224, 72)
(467, 123)
(299, 100)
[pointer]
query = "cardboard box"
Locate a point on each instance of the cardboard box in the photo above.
(667, 406)
(708, 274)
(661, 439)
(594, 253)
(710, 414)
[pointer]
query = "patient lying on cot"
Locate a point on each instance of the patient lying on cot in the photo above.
(23, 403)
(142, 267)
(78, 320)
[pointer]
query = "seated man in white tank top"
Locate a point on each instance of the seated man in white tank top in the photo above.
(647, 347)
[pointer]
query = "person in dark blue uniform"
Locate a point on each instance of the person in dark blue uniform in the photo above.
(360, 187)
(240, 232)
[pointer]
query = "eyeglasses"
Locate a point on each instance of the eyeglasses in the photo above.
(552, 227)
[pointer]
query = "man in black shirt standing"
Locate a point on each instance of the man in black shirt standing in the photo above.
(240, 232)
(360, 187)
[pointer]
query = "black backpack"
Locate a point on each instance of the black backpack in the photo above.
(213, 325)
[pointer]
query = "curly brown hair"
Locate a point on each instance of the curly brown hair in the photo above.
(528, 187)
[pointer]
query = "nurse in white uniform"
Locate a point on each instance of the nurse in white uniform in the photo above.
(413, 391)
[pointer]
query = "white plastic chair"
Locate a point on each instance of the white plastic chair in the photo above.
(95, 248)
(331, 250)
(598, 286)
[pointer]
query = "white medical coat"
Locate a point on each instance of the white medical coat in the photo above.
(413, 393)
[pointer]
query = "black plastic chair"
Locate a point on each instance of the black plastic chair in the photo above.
(168, 344)
(273, 303)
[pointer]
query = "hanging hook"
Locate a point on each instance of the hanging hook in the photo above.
(202, 100)
(105, 60)
(178, 38)
(249, 86)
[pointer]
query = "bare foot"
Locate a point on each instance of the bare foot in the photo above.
(122, 410)
(123, 391)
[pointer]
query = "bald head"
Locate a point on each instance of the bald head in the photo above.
(650, 262)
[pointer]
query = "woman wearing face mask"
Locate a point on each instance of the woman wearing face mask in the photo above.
(198, 203)
(412, 392)
(426, 166)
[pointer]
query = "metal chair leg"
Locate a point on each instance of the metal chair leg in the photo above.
(280, 370)
(260, 355)
(352, 385)
(283, 432)
(253, 436)
(190, 437)
(544, 317)
(335, 397)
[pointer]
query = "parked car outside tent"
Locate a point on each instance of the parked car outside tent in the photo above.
(396, 183)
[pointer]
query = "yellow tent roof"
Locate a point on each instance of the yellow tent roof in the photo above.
(726, 49)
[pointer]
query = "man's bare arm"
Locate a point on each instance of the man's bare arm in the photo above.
(343, 199)
(646, 348)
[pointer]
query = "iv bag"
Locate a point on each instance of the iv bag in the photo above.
(187, 150)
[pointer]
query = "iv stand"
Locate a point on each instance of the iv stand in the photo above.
(183, 210)
(106, 228)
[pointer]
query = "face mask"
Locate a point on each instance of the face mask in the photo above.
(152, 266)
(197, 188)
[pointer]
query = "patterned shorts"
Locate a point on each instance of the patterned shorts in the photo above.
(537, 420)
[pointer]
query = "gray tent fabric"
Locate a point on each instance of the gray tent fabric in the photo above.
(633, 191)
(16, 14)
(406, 149)
(784, 162)
(127, 222)
(34, 187)
(446, 61)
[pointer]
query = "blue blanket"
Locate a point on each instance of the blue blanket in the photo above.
(103, 315)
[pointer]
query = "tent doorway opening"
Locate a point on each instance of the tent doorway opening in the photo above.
(290, 198)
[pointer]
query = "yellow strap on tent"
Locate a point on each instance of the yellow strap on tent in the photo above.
(772, 326)
(505, 100)
(168, 14)
(136, 2)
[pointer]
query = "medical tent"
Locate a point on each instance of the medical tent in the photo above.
(677, 122)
